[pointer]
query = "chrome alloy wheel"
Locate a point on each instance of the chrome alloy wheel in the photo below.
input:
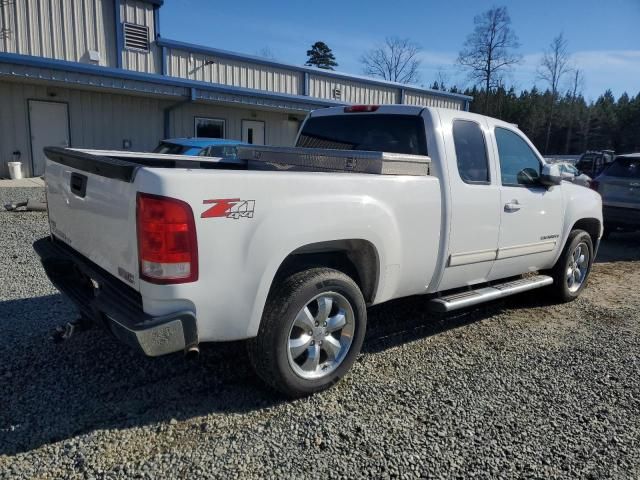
(321, 335)
(578, 267)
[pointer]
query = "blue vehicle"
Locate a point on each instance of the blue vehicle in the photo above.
(204, 147)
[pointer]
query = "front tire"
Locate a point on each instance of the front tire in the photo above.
(311, 332)
(571, 271)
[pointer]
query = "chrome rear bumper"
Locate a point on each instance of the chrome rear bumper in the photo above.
(108, 302)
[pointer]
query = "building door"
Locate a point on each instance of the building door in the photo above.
(49, 127)
(253, 132)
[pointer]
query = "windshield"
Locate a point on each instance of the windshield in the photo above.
(625, 168)
(378, 132)
(172, 148)
(227, 152)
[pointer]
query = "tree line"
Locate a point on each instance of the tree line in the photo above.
(557, 117)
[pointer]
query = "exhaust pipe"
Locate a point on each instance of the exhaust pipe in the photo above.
(192, 353)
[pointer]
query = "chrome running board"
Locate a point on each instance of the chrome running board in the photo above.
(456, 301)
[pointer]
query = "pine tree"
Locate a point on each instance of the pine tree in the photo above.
(321, 56)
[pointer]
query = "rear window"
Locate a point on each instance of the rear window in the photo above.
(378, 133)
(624, 167)
(171, 148)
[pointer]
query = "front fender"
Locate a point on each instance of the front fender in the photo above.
(580, 204)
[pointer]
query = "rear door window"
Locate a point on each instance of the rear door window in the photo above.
(373, 132)
(624, 168)
(471, 152)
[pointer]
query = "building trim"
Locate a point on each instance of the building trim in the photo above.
(156, 22)
(163, 61)
(190, 47)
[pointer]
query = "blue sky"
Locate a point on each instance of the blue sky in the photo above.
(603, 34)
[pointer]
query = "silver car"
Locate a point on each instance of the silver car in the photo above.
(619, 185)
(571, 174)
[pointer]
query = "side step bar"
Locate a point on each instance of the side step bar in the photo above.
(456, 301)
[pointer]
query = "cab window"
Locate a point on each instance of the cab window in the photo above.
(519, 165)
(471, 152)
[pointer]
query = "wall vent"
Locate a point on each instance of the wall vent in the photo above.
(136, 37)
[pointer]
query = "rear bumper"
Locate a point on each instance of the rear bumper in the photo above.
(108, 301)
(621, 216)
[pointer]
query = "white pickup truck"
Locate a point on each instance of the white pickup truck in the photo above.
(288, 247)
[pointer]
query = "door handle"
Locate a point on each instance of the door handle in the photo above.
(512, 206)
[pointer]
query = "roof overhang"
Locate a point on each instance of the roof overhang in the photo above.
(79, 75)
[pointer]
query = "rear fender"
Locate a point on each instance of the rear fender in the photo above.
(359, 218)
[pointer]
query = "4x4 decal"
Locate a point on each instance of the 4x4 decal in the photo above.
(229, 208)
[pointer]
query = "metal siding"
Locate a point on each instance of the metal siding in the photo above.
(417, 98)
(97, 120)
(205, 68)
(141, 13)
(62, 29)
(351, 91)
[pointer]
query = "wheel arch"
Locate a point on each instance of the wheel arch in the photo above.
(592, 226)
(357, 258)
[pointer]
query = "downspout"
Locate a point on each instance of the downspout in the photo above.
(118, 25)
(167, 111)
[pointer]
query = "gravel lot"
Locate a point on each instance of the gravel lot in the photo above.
(520, 388)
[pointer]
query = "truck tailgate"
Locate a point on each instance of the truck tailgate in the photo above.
(93, 210)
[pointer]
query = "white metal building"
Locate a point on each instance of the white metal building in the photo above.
(97, 74)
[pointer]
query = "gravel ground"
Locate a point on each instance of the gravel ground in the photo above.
(520, 388)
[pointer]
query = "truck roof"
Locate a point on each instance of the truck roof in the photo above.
(403, 110)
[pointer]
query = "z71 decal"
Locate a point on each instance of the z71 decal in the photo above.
(229, 208)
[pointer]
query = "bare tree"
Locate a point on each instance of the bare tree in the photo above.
(397, 61)
(577, 84)
(553, 66)
(487, 52)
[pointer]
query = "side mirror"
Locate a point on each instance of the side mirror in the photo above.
(528, 176)
(550, 175)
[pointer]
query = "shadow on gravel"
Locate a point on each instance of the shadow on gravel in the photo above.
(620, 247)
(52, 392)
(383, 332)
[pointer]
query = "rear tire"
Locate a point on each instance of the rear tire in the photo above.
(571, 271)
(311, 332)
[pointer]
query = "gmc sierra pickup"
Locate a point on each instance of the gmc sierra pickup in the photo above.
(288, 247)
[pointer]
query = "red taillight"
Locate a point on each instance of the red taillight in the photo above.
(361, 108)
(167, 243)
(594, 185)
